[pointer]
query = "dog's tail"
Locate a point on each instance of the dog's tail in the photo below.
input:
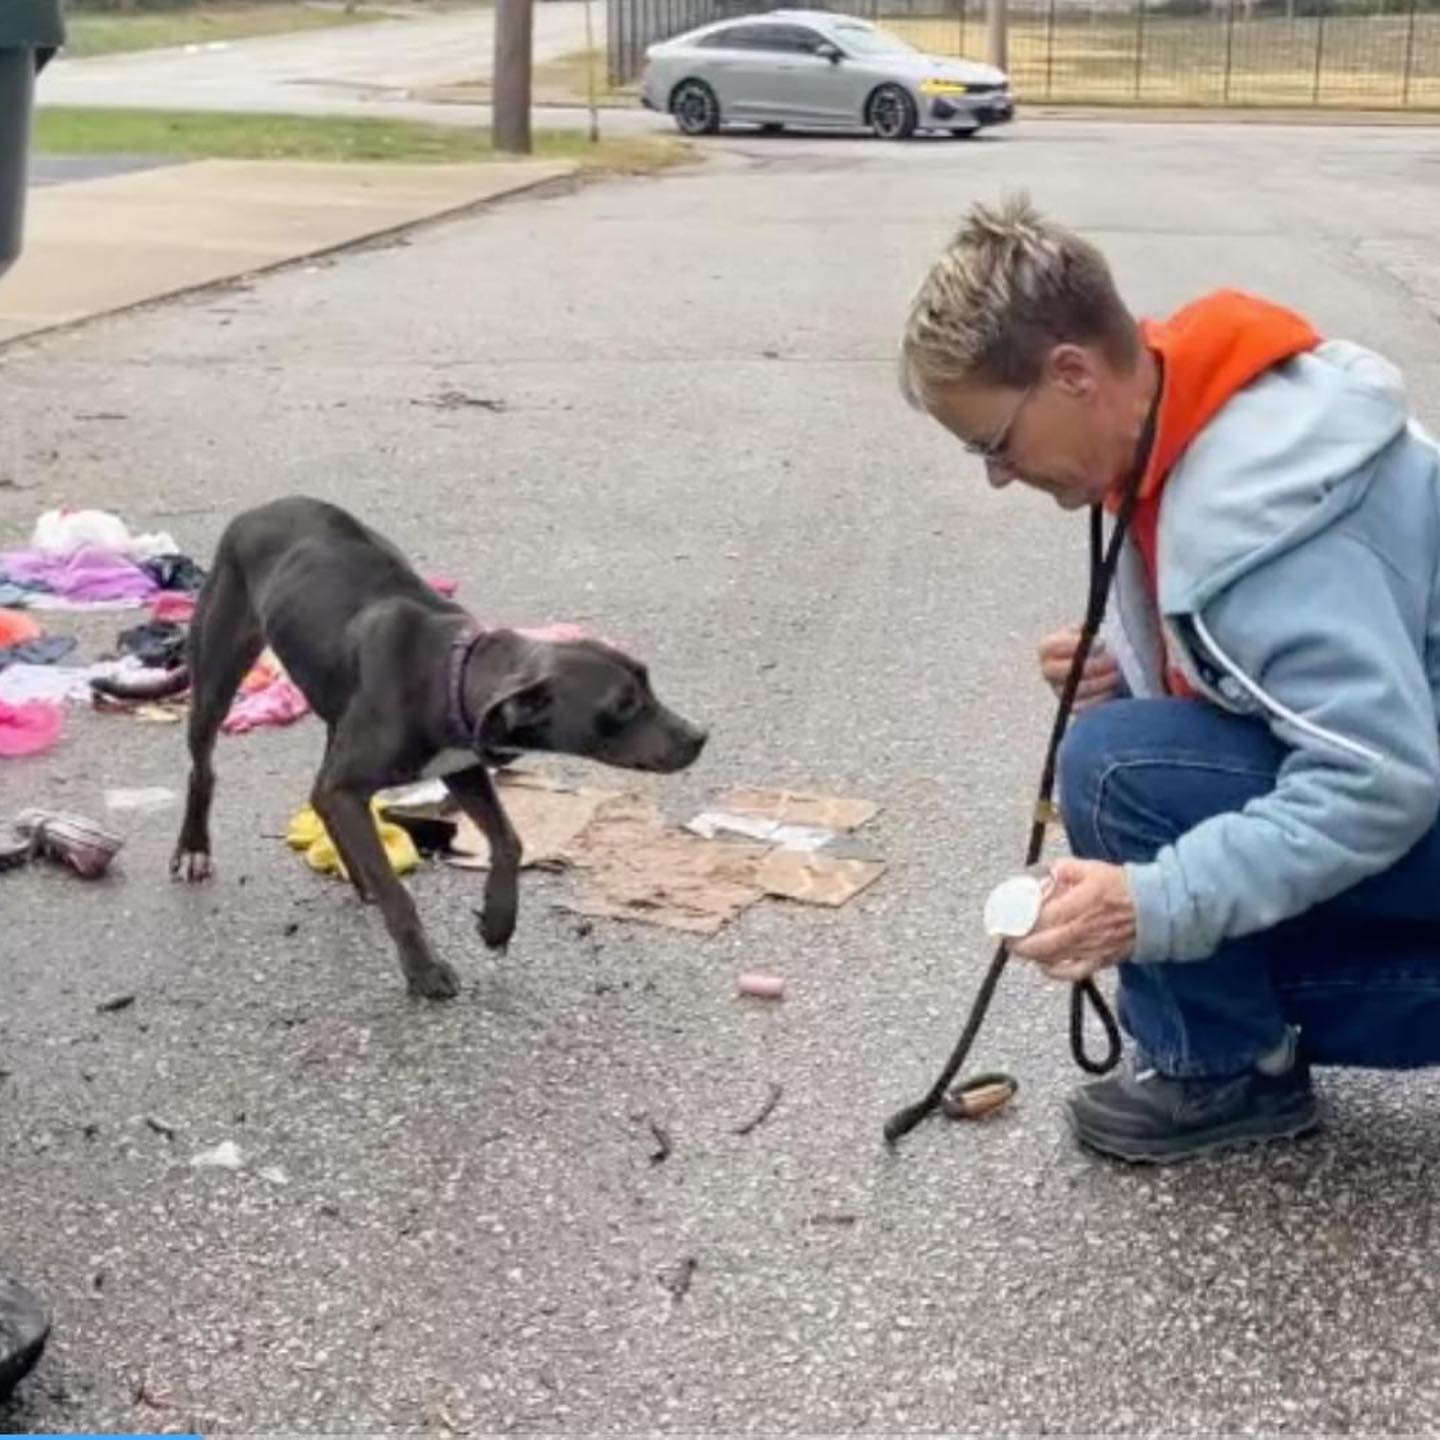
(156, 687)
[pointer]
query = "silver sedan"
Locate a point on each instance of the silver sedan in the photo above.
(815, 68)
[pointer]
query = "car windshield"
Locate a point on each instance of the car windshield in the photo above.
(867, 40)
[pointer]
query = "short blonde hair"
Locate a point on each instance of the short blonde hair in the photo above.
(1010, 286)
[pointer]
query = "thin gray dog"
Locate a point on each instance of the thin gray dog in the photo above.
(407, 685)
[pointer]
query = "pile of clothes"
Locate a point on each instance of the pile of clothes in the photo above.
(80, 559)
(76, 560)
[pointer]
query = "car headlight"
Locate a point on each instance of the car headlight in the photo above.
(943, 87)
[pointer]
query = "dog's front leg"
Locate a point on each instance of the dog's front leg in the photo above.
(347, 817)
(475, 792)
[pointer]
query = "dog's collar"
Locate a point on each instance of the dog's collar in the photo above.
(464, 732)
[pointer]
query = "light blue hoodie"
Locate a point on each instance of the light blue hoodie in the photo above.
(1298, 553)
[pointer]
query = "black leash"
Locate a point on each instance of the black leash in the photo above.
(1103, 560)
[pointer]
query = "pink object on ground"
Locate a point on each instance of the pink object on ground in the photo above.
(441, 585)
(29, 728)
(763, 987)
(177, 606)
(277, 703)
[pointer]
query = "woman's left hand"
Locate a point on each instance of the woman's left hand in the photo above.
(1086, 923)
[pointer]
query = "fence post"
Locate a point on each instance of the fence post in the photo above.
(1319, 53)
(1050, 52)
(1229, 49)
(1139, 42)
(1409, 54)
(997, 38)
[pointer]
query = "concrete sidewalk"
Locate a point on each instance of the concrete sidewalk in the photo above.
(99, 245)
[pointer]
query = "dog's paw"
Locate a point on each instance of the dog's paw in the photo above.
(496, 926)
(435, 981)
(192, 865)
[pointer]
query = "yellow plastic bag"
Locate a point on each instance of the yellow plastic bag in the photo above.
(306, 832)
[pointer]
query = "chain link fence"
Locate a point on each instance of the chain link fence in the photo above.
(1362, 54)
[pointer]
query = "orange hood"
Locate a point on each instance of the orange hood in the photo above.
(1210, 349)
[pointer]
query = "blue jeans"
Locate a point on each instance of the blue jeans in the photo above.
(1359, 974)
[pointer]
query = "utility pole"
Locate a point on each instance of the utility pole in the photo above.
(511, 93)
(998, 34)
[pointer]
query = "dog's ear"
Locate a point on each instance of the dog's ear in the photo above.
(518, 708)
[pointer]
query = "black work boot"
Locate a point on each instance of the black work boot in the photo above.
(1142, 1115)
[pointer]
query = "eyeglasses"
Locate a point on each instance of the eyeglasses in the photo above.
(994, 451)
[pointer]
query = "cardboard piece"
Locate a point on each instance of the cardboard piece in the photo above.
(637, 868)
(548, 823)
(793, 807)
(816, 879)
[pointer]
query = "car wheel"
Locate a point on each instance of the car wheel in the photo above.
(695, 108)
(771, 128)
(891, 113)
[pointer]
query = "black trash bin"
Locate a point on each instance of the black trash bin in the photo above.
(30, 33)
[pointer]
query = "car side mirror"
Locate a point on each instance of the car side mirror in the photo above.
(826, 51)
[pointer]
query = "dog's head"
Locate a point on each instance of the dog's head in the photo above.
(583, 697)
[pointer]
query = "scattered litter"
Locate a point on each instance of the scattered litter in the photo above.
(459, 400)
(161, 1127)
(275, 1175)
(678, 1281)
(51, 684)
(84, 575)
(635, 868)
(764, 1112)
(267, 697)
(793, 807)
(174, 572)
(155, 644)
(16, 628)
(549, 818)
(71, 840)
(42, 650)
(306, 832)
(173, 605)
(664, 1145)
(421, 793)
(64, 531)
(115, 1004)
(225, 1156)
(29, 727)
(711, 823)
(145, 798)
(631, 862)
(816, 879)
(762, 987)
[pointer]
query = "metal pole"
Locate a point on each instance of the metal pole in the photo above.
(1229, 48)
(1139, 42)
(1409, 55)
(998, 37)
(1319, 53)
(1050, 52)
(590, 73)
